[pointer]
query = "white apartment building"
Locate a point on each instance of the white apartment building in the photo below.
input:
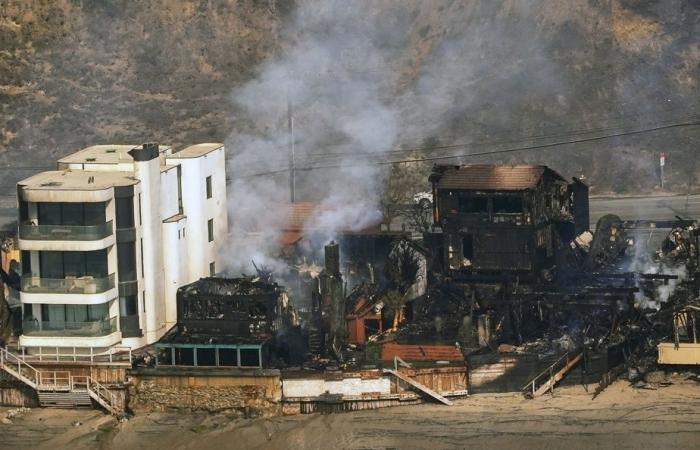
(108, 238)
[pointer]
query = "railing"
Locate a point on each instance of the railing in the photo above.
(74, 285)
(552, 373)
(77, 329)
(18, 368)
(65, 232)
(103, 396)
(54, 380)
(117, 354)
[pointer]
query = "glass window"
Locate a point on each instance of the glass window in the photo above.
(184, 356)
(125, 212)
(128, 305)
(98, 312)
(212, 269)
(507, 204)
(250, 357)
(210, 229)
(471, 205)
(49, 213)
(72, 214)
(95, 213)
(96, 263)
(228, 357)
(209, 186)
(126, 261)
(23, 211)
(206, 356)
(51, 264)
(26, 259)
(73, 264)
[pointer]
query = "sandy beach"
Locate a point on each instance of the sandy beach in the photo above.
(622, 417)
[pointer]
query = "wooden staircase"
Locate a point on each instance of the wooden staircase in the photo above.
(419, 386)
(70, 399)
(60, 388)
(548, 378)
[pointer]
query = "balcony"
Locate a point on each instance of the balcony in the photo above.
(66, 237)
(65, 232)
(96, 328)
(68, 285)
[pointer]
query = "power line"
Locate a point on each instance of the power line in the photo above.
(485, 153)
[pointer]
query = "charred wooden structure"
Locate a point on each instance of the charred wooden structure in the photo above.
(506, 258)
(239, 322)
(490, 219)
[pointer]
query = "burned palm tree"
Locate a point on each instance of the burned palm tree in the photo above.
(402, 272)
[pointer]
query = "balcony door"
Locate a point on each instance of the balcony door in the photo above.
(80, 214)
(59, 265)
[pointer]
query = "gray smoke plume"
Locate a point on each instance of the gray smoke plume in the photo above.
(332, 77)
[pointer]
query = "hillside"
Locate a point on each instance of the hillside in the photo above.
(495, 74)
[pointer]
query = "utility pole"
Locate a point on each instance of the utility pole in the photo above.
(662, 163)
(292, 168)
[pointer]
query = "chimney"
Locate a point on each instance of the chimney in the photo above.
(146, 152)
(332, 252)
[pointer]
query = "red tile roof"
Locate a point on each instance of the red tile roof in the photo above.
(489, 177)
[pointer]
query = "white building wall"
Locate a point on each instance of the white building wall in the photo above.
(175, 256)
(199, 209)
(347, 386)
(148, 172)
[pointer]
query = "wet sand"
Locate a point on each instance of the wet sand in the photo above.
(621, 418)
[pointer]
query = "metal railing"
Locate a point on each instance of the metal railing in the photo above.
(80, 329)
(68, 285)
(19, 368)
(547, 375)
(117, 355)
(65, 232)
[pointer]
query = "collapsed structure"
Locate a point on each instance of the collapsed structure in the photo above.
(508, 280)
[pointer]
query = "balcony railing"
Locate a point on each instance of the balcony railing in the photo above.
(77, 329)
(65, 232)
(68, 285)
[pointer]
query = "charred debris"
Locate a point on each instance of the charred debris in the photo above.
(509, 265)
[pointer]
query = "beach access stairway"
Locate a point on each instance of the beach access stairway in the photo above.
(546, 380)
(60, 388)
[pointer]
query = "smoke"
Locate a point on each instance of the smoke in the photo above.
(363, 80)
(331, 77)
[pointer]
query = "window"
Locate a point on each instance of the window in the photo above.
(126, 261)
(228, 357)
(474, 205)
(507, 204)
(142, 272)
(128, 305)
(143, 300)
(212, 269)
(140, 217)
(210, 229)
(209, 186)
(73, 264)
(79, 214)
(468, 247)
(206, 356)
(125, 212)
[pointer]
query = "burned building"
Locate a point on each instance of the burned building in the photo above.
(491, 219)
(235, 322)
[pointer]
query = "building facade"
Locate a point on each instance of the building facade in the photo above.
(108, 238)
